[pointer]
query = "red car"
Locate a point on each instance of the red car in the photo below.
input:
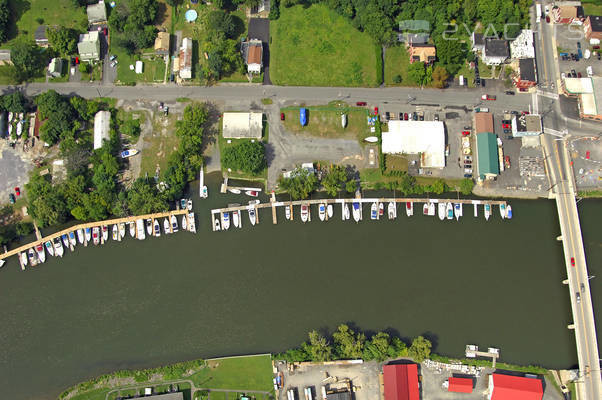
(587, 155)
(506, 126)
(487, 97)
(105, 31)
(548, 19)
(573, 261)
(17, 191)
(76, 60)
(507, 161)
(361, 104)
(465, 133)
(281, 116)
(525, 112)
(405, 116)
(375, 110)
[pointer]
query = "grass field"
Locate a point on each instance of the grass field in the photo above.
(397, 61)
(249, 373)
(316, 47)
(592, 7)
(152, 71)
(326, 122)
(396, 163)
(159, 145)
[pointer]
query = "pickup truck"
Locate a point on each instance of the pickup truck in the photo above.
(487, 97)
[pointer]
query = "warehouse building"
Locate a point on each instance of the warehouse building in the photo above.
(242, 125)
(510, 387)
(426, 138)
(102, 124)
(487, 156)
(401, 382)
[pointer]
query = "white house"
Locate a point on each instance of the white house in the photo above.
(242, 125)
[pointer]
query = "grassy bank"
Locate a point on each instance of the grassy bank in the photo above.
(590, 193)
(397, 61)
(316, 47)
(325, 122)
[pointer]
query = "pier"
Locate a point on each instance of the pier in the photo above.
(472, 351)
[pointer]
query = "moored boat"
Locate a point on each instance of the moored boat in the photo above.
(184, 222)
(431, 208)
(234, 191)
(80, 236)
(425, 209)
(357, 211)
(343, 120)
(23, 257)
(374, 210)
(115, 232)
(458, 210)
(58, 247)
(509, 211)
(88, 234)
(253, 217)
(322, 211)
(72, 240)
(105, 233)
(174, 224)
(503, 210)
(96, 235)
(149, 227)
(252, 193)
(157, 228)
(41, 253)
(216, 224)
(65, 239)
(226, 220)
(129, 153)
(183, 203)
(122, 230)
(287, 212)
(189, 205)
(140, 234)
(202, 188)
(346, 215)
(49, 247)
(487, 211)
(191, 223)
(441, 211)
(166, 227)
(392, 210)
(475, 209)
(371, 139)
(449, 209)
(132, 229)
(409, 208)
(329, 211)
(381, 209)
(31, 255)
(304, 212)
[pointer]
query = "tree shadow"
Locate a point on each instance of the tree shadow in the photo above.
(17, 9)
(239, 26)
(161, 16)
(270, 153)
(209, 128)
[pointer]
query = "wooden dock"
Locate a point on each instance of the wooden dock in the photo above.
(108, 222)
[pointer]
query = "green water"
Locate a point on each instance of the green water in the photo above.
(260, 289)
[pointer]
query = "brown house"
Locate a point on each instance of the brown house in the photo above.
(593, 27)
(427, 53)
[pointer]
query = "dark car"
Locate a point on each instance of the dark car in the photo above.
(509, 92)
(578, 74)
(11, 198)
(387, 116)
(401, 116)
(281, 116)
(599, 56)
(415, 116)
(361, 104)
(578, 45)
(421, 116)
(514, 112)
(548, 19)
(73, 61)
(482, 82)
(467, 175)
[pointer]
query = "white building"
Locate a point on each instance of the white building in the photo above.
(426, 138)
(242, 125)
(185, 59)
(522, 46)
(102, 124)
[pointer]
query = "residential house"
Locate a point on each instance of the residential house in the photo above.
(496, 51)
(5, 57)
(252, 51)
(162, 43)
(185, 59)
(522, 45)
(526, 76)
(413, 38)
(89, 46)
(567, 14)
(242, 125)
(55, 68)
(427, 53)
(40, 36)
(97, 13)
(593, 27)
(478, 42)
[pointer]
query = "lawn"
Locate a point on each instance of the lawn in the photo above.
(247, 373)
(396, 163)
(315, 46)
(95, 73)
(153, 69)
(397, 61)
(326, 122)
(592, 7)
(468, 74)
(53, 12)
(159, 145)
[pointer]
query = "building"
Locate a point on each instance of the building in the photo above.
(487, 156)
(162, 43)
(97, 13)
(343, 395)
(185, 59)
(495, 52)
(426, 53)
(592, 27)
(102, 125)
(510, 387)
(138, 67)
(252, 53)
(40, 36)
(89, 46)
(567, 14)
(526, 77)
(522, 46)
(401, 382)
(5, 57)
(242, 125)
(459, 385)
(55, 68)
(526, 125)
(483, 122)
(426, 138)
(589, 93)
(478, 42)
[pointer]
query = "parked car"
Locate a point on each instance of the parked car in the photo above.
(387, 116)
(17, 191)
(72, 61)
(578, 74)
(375, 110)
(505, 125)
(573, 261)
(578, 296)
(465, 133)
(509, 92)
(436, 117)
(405, 116)
(599, 56)
(105, 31)
(468, 158)
(507, 161)
(76, 60)
(547, 19)
(578, 45)
(488, 97)
(11, 198)
(415, 116)
(507, 130)
(468, 171)
(281, 116)
(401, 116)
(112, 57)
(114, 64)
(361, 104)
(421, 117)
(587, 154)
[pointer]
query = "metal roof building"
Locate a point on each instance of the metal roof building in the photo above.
(510, 387)
(487, 156)
(459, 385)
(426, 138)
(102, 124)
(185, 59)
(242, 125)
(166, 396)
(522, 46)
(97, 13)
(401, 382)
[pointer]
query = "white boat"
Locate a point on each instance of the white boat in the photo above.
(10, 117)
(19, 128)
(88, 234)
(166, 227)
(392, 210)
(96, 235)
(458, 210)
(10, 130)
(58, 247)
(72, 239)
(23, 257)
(449, 209)
(149, 227)
(487, 211)
(322, 211)
(122, 230)
(441, 211)
(431, 209)
(129, 153)
(189, 205)
(346, 214)
(174, 224)
(304, 212)
(409, 208)
(381, 210)
(140, 234)
(183, 204)
(374, 210)
(184, 222)
(371, 139)
(132, 229)
(253, 217)
(202, 188)
(343, 120)
(65, 240)
(237, 218)
(41, 253)
(216, 224)
(115, 232)
(191, 223)
(475, 208)
(31, 255)
(157, 228)
(329, 211)
(252, 193)
(49, 247)
(503, 210)
(509, 211)
(357, 211)
(80, 236)
(425, 209)
(226, 221)
(287, 212)
(235, 191)
(105, 233)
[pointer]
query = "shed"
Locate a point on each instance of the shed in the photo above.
(483, 122)
(139, 67)
(242, 125)
(5, 57)
(102, 124)
(55, 68)
(460, 385)
(487, 156)
(510, 387)
(401, 382)
(97, 13)
(426, 138)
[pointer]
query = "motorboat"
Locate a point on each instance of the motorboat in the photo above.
(409, 208)
(381, 209)
(95, 235)
(226, 220)
(253, 217)
(371, 139)
(237, 216)
(10, 117)
(458, 210)
(346, 215)
(204, 192)
(425, 209)
(234, 191)
(149, 227)
(191, 223)
(431, 209)
(23, 257)
(122, 230)
(31, 255)
(129, 153)
(189, 205)
(329, 211)
(216, 224)
(174, 224)
(19, 128)
(105, 233)
(392, 210)
(357, 211)
(441, 211)
(184, 222)
(202, 187)
(65, 240)
(374, 210)
(287, 212)
(252, 193)
(475, 208)
(157, 228)
(80, 236)
(140, 234)
(183, 204)
(41, 253)
(58, 247)
(343, 120)
(509, 211)
(322, 211)
(487, 211)
(72, 240)
(166, 227)
(449, 209)
(49, 247)
(132, 229)
(88, 234)
(503, 210)
(115, 232)
(304, 212)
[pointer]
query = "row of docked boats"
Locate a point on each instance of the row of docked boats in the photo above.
(227, 218)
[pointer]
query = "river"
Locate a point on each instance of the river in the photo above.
(146, 303)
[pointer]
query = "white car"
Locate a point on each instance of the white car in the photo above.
(468, 170)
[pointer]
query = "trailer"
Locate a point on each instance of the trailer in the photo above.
(538, 12)
(303, 116)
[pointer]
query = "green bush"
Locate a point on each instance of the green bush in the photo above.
(247, 156)
(379, 64)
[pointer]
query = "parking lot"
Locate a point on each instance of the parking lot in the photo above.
(586, 154)
(570, 39)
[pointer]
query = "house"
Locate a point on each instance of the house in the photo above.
(102, 124)
(567, 14)
(459, 385)
(483, 122)
(478, 42)
(511, 387)
(97, 13)
(252, 51)
(185, 59)
(89, 46)
(487, 156)
(495, 52)
(401, 382)
(242, 125)
(426, 138)
(162, 43)
(526, 77)
(593, 27)
(5, 57)
(55, 68)
(526, 125)
(426, 53)
(522, 45)
(40, 36)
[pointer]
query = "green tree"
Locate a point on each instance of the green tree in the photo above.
(347, 343)
(131, 128)
(144, 198)
(23, 228)
(397, 79)
(439, 186)
(440, 77)
(63, 40)
(318, 347)
(334, 180)
(379, 347)
(466, 186)
(28, 59)
(247, 156)
(45, 204)
(420, 349)
(14, 102)
(221, 22)
(351, 186)
(59, 115)
(416, 73)
(300, 183)
(451, 54)
(4, 20)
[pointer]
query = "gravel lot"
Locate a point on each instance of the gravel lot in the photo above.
(588, 172)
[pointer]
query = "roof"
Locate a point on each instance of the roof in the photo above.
(509, 387)
(496, 48)
(401, 382)
(40, 33)
(569, 12)
(487, 154)
(483, 122)
(162, 41)
(185, 59)
(4, 55)
(255, 53)
(595, 22)
(460, 385)
(416, 38)
(478, 39)
(88, 44)
(591, 103)
(526, 125)
(579, 85)
(102, 121)
(97, 12)
(166, 396)
(339, 396)
(522, 46)
(56, 66)
(526, 68)
(417, 137)
(242, 125)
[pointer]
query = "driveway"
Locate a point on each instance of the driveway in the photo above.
(259, 28)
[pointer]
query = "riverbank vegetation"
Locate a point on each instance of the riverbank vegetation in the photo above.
(246, 156)
(301, 182)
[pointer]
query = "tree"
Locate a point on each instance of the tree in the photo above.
(416, 73)
(466, 186)
(379, 347)
(420, 349)
(28, 59)
(14, 102)
(451, 54)
(4, 20)
(131, 128)
(45, 204)
(318, 347)
(63, 40)
(397, 79)
(347, 343)
(84, 68)
(439, 186)
(334, 180)
(59, 116)
(221, 22)
(300, 183)
(440, 77)
(351, 186)
(144, 198)
(246, 156)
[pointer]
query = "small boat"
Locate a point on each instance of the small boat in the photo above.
(253, 217)
(343, 120)
(449, 210)
(95, 235)
(10, 117)
(357, 211)
(441, 211)
(157, 228)
(237, 216)
(476, 209)
(105, 233)
(31, 255)
(304, 212)
(65, 239)
(166, 227)
(115, 232)
(322, 211)
(235, 191)
(23, 257)
(132, 229)
(431, 209)
(216, 224)
(425, 209)
(287, 212)
(204, 193)
(2, 262)
(183, 203)
(184, 222)
(149, 227)
(487, 211)
(129, 153)
(503, 210)
(346, 214)
(252, 193)
(226, 220)
(409, 208)
(189, 205)
(329, 211)
(88, 234)
(381, 209)
(19, 128)
(49, 247)
(72, 240)
(140, 234)
(41, 253)
(509, 211)
(374, 210)
(371, 139)
(191, 223)
(10, 130)
(122, 230)
(392, 210)
(174, 224)
(202, 187)
(458, 210)
(80, 236)
(58, 247)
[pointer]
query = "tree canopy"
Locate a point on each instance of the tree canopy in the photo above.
(247, 156)
(4, 20)
(420, 349)
(133, 20)
(336, 179)
(59, 115)
(14, 102)
(300, 183)
(63, 40)
(28, 59)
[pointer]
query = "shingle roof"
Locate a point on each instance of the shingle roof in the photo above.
(254, 55)
(40, 33)
(97, 12)
(595, 22)
(526, 67)
(496, 48)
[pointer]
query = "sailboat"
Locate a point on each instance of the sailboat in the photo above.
(374, 210)
(322, 211)
(458, 211)
(409, 208)
(392, 210)
(450, 210)
(487, 211)
(357, 211)
(202, 188)
(304, 212)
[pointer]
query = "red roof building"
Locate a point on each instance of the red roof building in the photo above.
(508, 387)
(401, 382)
(460, 385)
